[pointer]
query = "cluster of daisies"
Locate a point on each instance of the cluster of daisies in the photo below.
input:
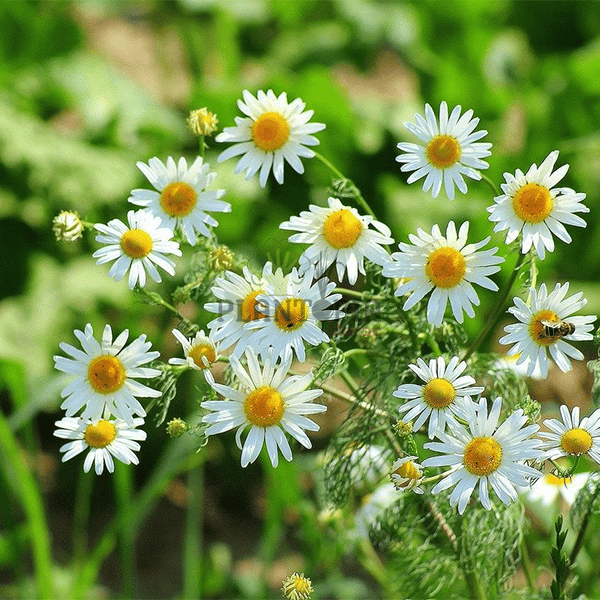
(265, 321)
(479, 450)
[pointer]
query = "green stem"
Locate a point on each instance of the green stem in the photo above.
(81, 515)
(358, 295)
(527, 566)
(585, 521)
(356, 195)
(492, 185)
(126, 538)
(31, 499)
(192, 550)
(474, 587)
(491, 321)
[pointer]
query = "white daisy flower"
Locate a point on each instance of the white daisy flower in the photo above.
(200, 351)
(531, 205)
(273, 131)
(486, 455)
(295, 317)
(505, 361)
(407, 474)
(181, 198)
(238, 305)
(139, 247)
(441, 398)
(339, 234)
(450, 150)
(105, 375)
(534, 335)
(104, 438)
(446, 265)
(572, 437)
(549, 489)
(267, 402)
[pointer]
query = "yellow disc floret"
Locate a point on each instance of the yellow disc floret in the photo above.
(446, 267)
(342, 229)
(178, 199)
(264, 406)
(270, 131)
(443, 151)
(536, 327)
(408, 471)
(136, 243)
(297, 587)
(439, 393)
(106, 374)
(533, 203)
(482, 456)
(552, 479)
(100, 435)
(291, 314)
(576, 441)
(249, 310)
(200, 352)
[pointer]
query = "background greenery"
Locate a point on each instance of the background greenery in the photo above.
(89, 88)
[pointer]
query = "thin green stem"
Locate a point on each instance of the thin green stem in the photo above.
(192, 551)
(126, 538)
(33, 505)
(585, 521)
(474, 587)
(527, 566)
(359, 295)
(492, 185)
(356, 192)
(491, 321)
(81, 515)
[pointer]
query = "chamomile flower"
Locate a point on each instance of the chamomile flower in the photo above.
(486, 455)
(530, 335)
(339, 234)
(572, 437)
(446, 265)
(442, 396)
(200, 351)
(407, 474)
(266, 401)
(294, 318)
(181, 198)
(105, 438)
(272, 131)
(533, 207)
(139, 247)
(238, 305)
(105, 375)
(450, 150)
(548, 489)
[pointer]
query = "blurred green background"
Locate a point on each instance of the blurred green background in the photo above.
(89, 88)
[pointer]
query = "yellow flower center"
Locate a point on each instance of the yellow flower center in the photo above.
(439, 393)
(291, 314)
(536, 327)
(409, 471)
(446, 267)
(342, 229)
(532, 203)
(106, 374)
(197, 353)
(249, 308)
(482, 456)
(558, 481)
(100, 435)
(443, 151)
(264, 406)
(136, 243)
(576, 441)
(178, 199)
(270, 131)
